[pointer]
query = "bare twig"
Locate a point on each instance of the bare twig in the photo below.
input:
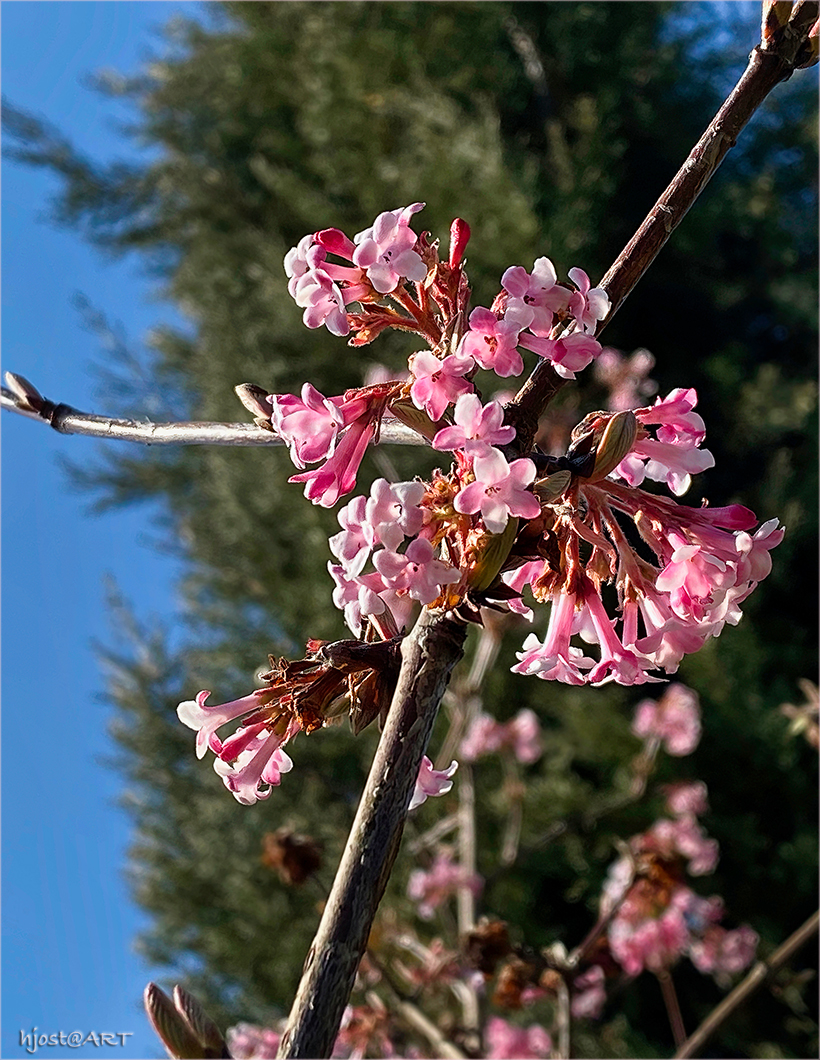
(68, 420)
(428, 655)
(670, 1000)
(563, 1019)
(768, 65)
(760, 973)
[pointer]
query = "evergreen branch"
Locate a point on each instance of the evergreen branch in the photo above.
(21, 397)
(771, 62)
(429, 654)
(760, 973)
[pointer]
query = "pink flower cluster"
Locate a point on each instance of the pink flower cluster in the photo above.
(658, 918)
(706, 564)
(503, 1041)
(429, 888)
(525, 314)
(495, 524)
(674, 720)
(521, 736)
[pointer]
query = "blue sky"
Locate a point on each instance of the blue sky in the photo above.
(68, 956)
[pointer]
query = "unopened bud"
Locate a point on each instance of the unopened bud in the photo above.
(416, 419)
(183, 1026)
(549, 489)
(493, 552)
(26, 395)
(459, 237)
(616, 442)
(256, 400)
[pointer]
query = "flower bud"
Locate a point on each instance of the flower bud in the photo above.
(616, 442)
(492, 553)
(549, 489)
(417, 419)
(255, 399)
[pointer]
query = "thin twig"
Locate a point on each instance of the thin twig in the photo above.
(765, 70)
(563, 1020)
(670, 1000)
(429, 654)
(68, 420)
(760, 973)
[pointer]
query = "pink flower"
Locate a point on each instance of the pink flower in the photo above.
(687, 798)
(588, 994)
(256, 770)
(431, 782)
(721, 953)
(555, 659)
(499, 491)
(322, 302)
(337, 476)
(492, 342)
(438, 383)
(385, 250)
(682, 837)
(521, 735)
(393, 511)
(206, 720)
(308, 425)
(503, 1041)
(429, 888)
(249, 1042)
(674, 719)
(674, 455)
(534, 297)
(353, 544)
(476, 428)
(655, 943)
(587, 306)
(417, 572)
(568, 355)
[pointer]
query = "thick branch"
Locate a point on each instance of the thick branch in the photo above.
(68, 420)
(765, 70)
(760, 973)
(429, 654)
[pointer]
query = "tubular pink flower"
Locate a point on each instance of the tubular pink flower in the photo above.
(535, 296)
(438, 383)
(555, 660)
(353, 544)
(568, 355)
(385, 251)
(476, 428)
(430, 888)
(206, 720)
(308, 425)
(502, 1040)
(588, 994)
(499, 491)
(674, 719)
(687, 797)
(618, 663)
(256, 771)
(588, 306)
(721, 953)
(322, 301)
(417, 572)
(337, 476)
(431, 782)
(492, 342)
(393, 511)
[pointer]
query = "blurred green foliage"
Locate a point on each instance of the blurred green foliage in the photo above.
(551, 128)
